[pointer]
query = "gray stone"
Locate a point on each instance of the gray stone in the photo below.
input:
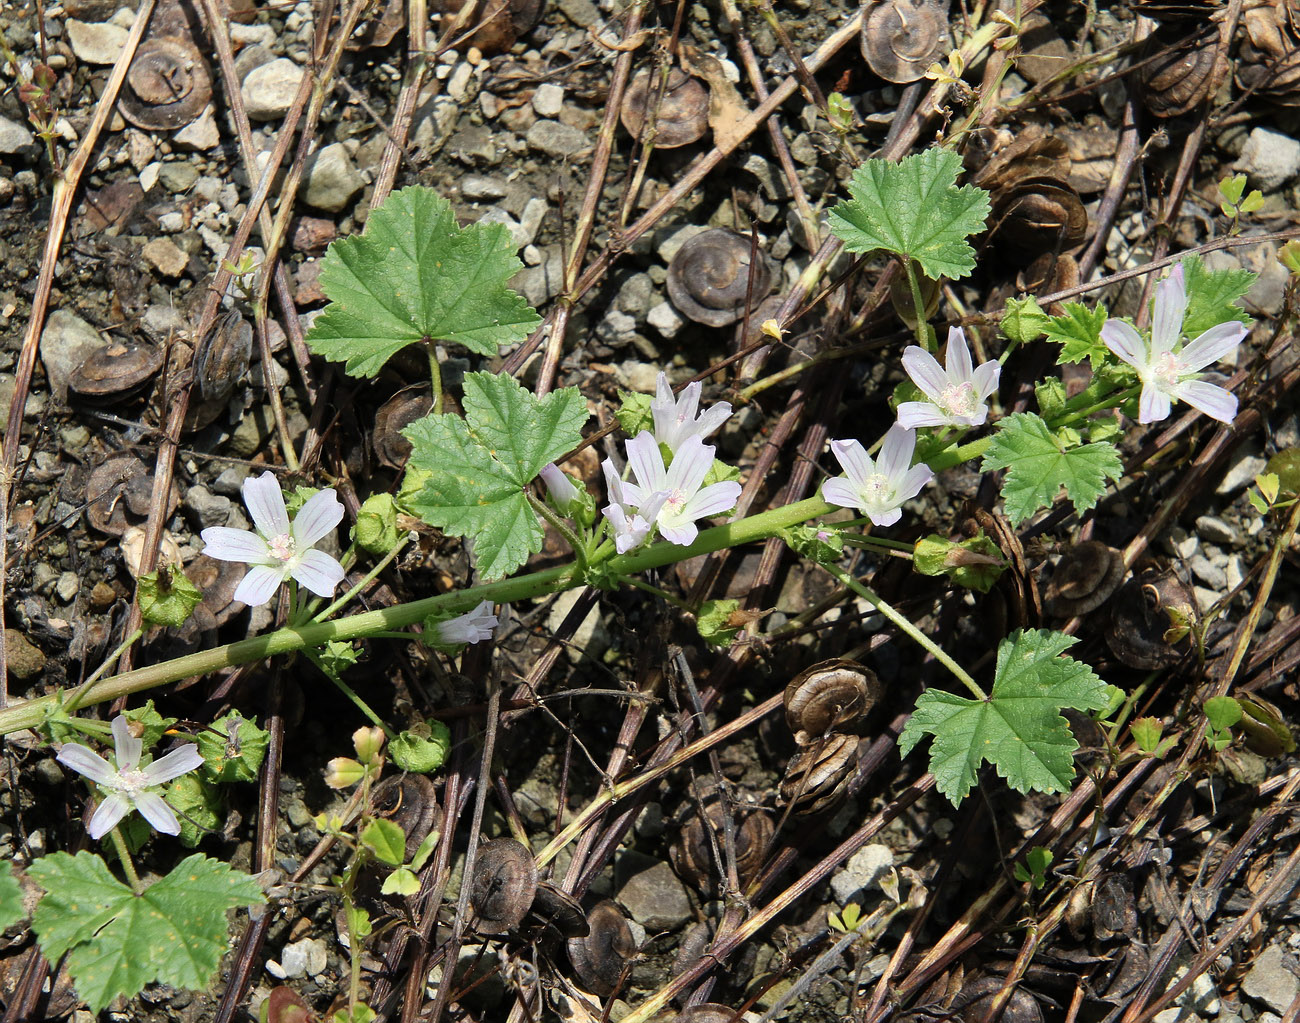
(25, 660)
(541, 283)
(673, 238)
(67, 587)
(591, 638)
(231, 481)
(33, 406)
(1242, 472)
(305, 958)
(14, 137)
(201, 134)
(772, 184)
(1209, 572)
(864, 869)
(665, 319)
(269, 89)
(557, 139)
(482, 187)
(161, 322)
(458, 85)
(475, 146)
(209, 509)
(636, 295)
(651, 893)
(548, 100)
(332, 179)
(66, 342)
(581, 12)
(1272, 979)
(96, 42)
(530, 220)
(1215, 530)
(177, 176)
(1270, 159)
(615, 327)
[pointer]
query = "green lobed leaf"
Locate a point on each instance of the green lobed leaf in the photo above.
(413, 274)
(1078, 331)
(197, 803)
(479, 466)
(914, 208)
(400, 882)
(634, 414)
(117, 941)
(1212, 296)
(1038, 465)
(11, 897)
(386, 840)
(233, 748)
(1018, 728)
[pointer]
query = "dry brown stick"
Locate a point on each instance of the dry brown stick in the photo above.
(65, 190)
(417, 22)
(1117, 187)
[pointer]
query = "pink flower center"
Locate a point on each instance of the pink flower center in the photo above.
(676, 501)
(282, 547)
(876, 485)
(131, 782)
(1167, 371)
(960, 399)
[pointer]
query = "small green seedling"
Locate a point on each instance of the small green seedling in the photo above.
(1034, 869)
(1234, 200)
(1147, 734)
(848, 919)
(1222, 712)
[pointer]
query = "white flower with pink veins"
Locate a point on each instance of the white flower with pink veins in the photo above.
(680, 486)
(279, 549)
(1169, 375)
(958, 393)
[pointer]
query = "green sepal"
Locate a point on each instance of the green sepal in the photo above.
(422, 749)
(167, 597)
(376, 528)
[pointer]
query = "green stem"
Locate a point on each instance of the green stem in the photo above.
(570, 537)
(74, 701)
(124, 857)
(369, 576)
(351, 694)
(655, 591)
(435, 375)
(906, 625)
(914, 282)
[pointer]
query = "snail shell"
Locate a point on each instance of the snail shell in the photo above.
(692, 853)
(814, 779)
(679, 118)
(167, 85)
(1087, 575)
(560, 910)
(393, 416)
(708, 279)
(827, 696)
(503, 887)
(603, 954)
(902, 38)
(119, 370)
(1141, 619)
(411, 802)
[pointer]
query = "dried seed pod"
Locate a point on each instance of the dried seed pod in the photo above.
(1149, 616)
(692, 853)
(1034, 209)
(1268, 59)
(1087, 575)
(708, 279)
(394, 415)
(677, 118)
(814, 779)
(116, 372)
(902, 38)
(411, 802)
(222, 359)
(1182, 74)
(503, 887)
(828, 696)
(560, 910)
(1264, 727)
(601, 956)
(500, 23)
(1178, 10)
(1113, 911)
(974, 1001)
(167, 85)
(118, 493)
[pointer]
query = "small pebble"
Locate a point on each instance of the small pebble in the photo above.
(1215, 530)
(332, 179)
(96, 42)
(864, 869)
(269, 90)
(14, 137)
(1271, 980)
(548, 100)
(304, 958)
(1269, 159)
(165, 256)
(1242, 473)
(559, 140)
(68, 586)
(482, 187)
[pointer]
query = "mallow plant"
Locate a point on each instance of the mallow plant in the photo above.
(494, 476)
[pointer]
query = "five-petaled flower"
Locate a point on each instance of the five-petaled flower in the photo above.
(675, 418)
(1167, 374)
(630, 513)
(472, 627)
(958, 393)
(681, 486)
(128, 786)
(877, 489)
(279, 549)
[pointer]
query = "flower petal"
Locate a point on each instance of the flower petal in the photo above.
(691, 463)
(266, 504)
(913, 482)
(712, 418)
(613, 485)
(259, 585)
(896, 453)
(1213, 345)
(646, 461)
(986, 377)
(713, 500)
(179, 761)
(853, 459)
(155, 810)
(1215, 402)
(840, 491)
(114, 807)
(1153, 406)
(321, 514)
(884, 516)
(1124, 340)
(226, 544)
(84, 760)
(956, 357)
(925, 371)
(915, 414)
(1168, 312)
(318, 572)
(679, 530)
(125, 745)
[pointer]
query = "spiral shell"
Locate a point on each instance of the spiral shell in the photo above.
(708, 279)
(902, 38)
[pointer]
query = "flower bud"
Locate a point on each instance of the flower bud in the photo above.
(376, 528)
(343, 772)
(368, 741)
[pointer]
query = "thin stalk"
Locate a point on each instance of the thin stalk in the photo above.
(351, 694)
(124, 857)
(901, 620)
(570, 537)
(369, 576)
(918, 305)
(435, 375)
(74, 701)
